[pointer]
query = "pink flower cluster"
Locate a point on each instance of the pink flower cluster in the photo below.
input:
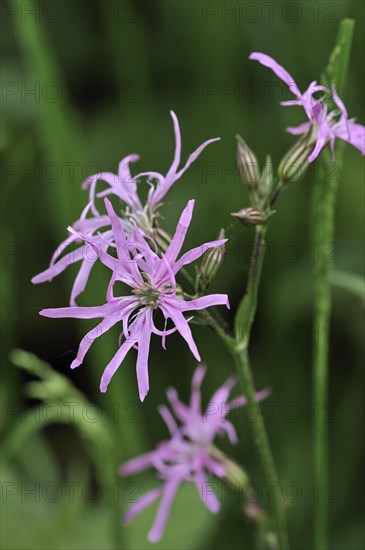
(149, 275)
(134, 214)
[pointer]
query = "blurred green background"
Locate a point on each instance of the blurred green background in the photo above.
(83, 85)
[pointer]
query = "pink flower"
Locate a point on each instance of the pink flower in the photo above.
(136, 215)
(124, 186)
(189, 454)
(153, 284)
(328, 125)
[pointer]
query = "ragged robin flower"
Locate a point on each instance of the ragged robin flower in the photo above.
(328, 125)
(151, 279)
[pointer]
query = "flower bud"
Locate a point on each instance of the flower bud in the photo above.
(295, 162)
(212, 261)
(266, 179)
(254, 512)
(234, 473)
(250, 216)
(247, 164)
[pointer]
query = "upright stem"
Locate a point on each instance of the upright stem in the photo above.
(324, 202)
(243, 325)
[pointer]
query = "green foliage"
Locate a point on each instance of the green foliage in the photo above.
(354, 284)
(54, 389)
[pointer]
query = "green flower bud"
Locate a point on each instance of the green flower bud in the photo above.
(212, 261)
(250, 216)
(247, 165)
(235, 474)
(266, 179)
(295, 162)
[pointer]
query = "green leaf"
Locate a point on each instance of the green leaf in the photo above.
(336, 70)
(59, 394)
(352, 283)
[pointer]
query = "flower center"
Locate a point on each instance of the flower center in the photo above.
(148, 295)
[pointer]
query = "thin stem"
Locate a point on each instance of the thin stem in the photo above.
(263, 447)
(323, 208)
(244, 319)
(220, 331)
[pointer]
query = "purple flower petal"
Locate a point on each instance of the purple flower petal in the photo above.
(78, 312)
(165, 183)
(138, 464)
(230, 430)
(181, 325)
(195, 399)
(323, 134)
(241, 400)
(203, 302)
(178, 239)
(168, 496)
(269, 62)
(300, 129)
(181, 411)
(353, 133)
(122, 185)
(143, 502)
(196, 253)
(168, 418)
(91, 336)
(339, 102)
(128, 184)
(142, 359)
(177, 155)
(114, 364)
(57, 268)
(207, 496)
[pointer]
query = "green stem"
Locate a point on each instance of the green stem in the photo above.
(323, 208)
(243, 325)
(263, 447)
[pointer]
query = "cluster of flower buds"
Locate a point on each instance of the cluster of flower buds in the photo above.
(259, 184)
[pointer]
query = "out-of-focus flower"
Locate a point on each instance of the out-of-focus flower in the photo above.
(328, 125)
(134, 215)
(189, 455)
(153, 287)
